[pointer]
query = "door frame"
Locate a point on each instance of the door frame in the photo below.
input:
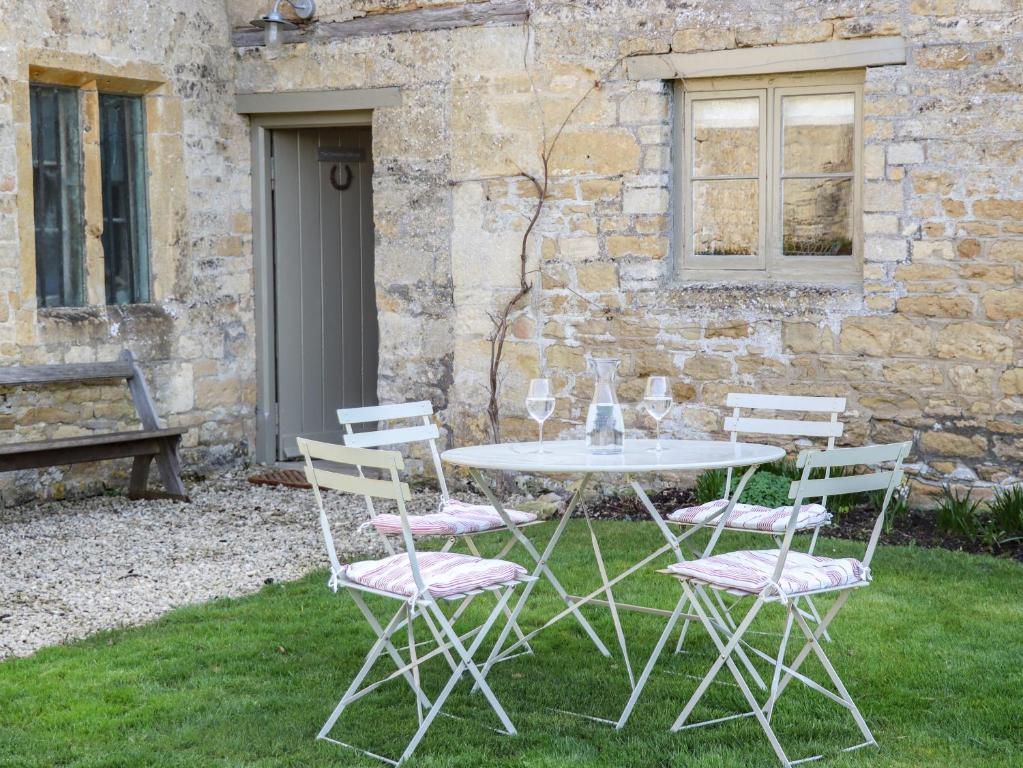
(286, 110)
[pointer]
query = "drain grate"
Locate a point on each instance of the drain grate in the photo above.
(291, 478)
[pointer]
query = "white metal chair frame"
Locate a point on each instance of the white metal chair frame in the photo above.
(730, 642)
(737, 424)
(428, 432)
(421, 605)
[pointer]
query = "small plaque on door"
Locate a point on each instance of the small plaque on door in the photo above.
(341, 155)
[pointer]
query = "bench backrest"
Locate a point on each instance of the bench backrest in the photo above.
(126, 368)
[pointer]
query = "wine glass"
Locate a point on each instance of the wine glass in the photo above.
(657, 402)
(540, 404)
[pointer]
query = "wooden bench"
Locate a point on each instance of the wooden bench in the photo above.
(144, 445)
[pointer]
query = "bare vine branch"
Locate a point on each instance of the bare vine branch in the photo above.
(502, 321)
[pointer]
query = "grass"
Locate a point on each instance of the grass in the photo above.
(931, 651)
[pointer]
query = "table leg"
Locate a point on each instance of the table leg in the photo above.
(542, 568)
(611, 604)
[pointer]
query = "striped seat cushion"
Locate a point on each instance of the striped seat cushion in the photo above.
(752, 517)
(750, 572)
(444, 573)
(455, 518)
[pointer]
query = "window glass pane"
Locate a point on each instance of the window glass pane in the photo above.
(57, 195)
(726, 137)
(817, 217)
(818, 133)
(726, 217)
(125, 209)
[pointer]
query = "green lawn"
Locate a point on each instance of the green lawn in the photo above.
(932, 652)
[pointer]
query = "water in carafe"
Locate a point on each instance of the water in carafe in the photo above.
(605, 424)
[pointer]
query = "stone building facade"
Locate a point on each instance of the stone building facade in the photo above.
(927, 342)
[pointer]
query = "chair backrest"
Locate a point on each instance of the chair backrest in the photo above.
(425, 431)
(390, 463)
(819, 462)
(739, 424)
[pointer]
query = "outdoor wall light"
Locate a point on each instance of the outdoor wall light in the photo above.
(273, 23)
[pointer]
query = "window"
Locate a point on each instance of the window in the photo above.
(57, 195)
(125, 210)
(770, 184)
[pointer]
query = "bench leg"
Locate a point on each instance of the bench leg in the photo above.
(170, 468)
(139, 476)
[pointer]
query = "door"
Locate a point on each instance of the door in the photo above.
(324, 298)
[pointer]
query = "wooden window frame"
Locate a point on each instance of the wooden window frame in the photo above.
(71, 171)
(138, 205)
(770, 265)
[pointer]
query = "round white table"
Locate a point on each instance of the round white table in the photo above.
(572, 457)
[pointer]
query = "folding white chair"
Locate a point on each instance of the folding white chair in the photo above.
(781, 577)
(455, 519)
(753, 518)
(420, 581)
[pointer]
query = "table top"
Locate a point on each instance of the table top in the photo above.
(572, 456)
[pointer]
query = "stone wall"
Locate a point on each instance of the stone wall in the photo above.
(928, 350)
(195, 340)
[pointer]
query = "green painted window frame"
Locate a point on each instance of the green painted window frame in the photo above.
(124, 176)
(769, 264)
(57, 190)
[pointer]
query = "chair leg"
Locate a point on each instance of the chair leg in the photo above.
(371, 659)
(800, 657)
(726, 651)
(521, 638)
(465, 664)
(814, 643)
(399, 662)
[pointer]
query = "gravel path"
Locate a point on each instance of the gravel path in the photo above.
(69, 569)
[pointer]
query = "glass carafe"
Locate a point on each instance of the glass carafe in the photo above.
(605, 426)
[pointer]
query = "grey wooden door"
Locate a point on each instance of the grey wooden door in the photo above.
(325, 303)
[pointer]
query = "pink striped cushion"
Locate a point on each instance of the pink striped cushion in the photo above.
(444, 573)
(751, 517)
(751, 571)
(455, 518)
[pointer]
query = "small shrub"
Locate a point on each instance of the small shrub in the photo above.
(766, 489)
(1007, 511)
(710, 486)
(959, 515)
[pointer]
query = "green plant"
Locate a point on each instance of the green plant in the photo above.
(959, 514)
(710, 486)
(783, 468)
(1007, 511)
(765, 489)
(898, 506)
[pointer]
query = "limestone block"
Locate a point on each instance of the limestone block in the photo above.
(936, 306)
(702, 39)
(973, 341)
(620, 246)
(645, 200)
(1003, 305)
(878, 336)
(952, 444)
(597, 276)
(803, 337)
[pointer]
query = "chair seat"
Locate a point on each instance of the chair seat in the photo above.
(752, 517)
(750, 572)
(444, 573)
(455, 518)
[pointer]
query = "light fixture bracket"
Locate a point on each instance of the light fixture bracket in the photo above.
(304, 9)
